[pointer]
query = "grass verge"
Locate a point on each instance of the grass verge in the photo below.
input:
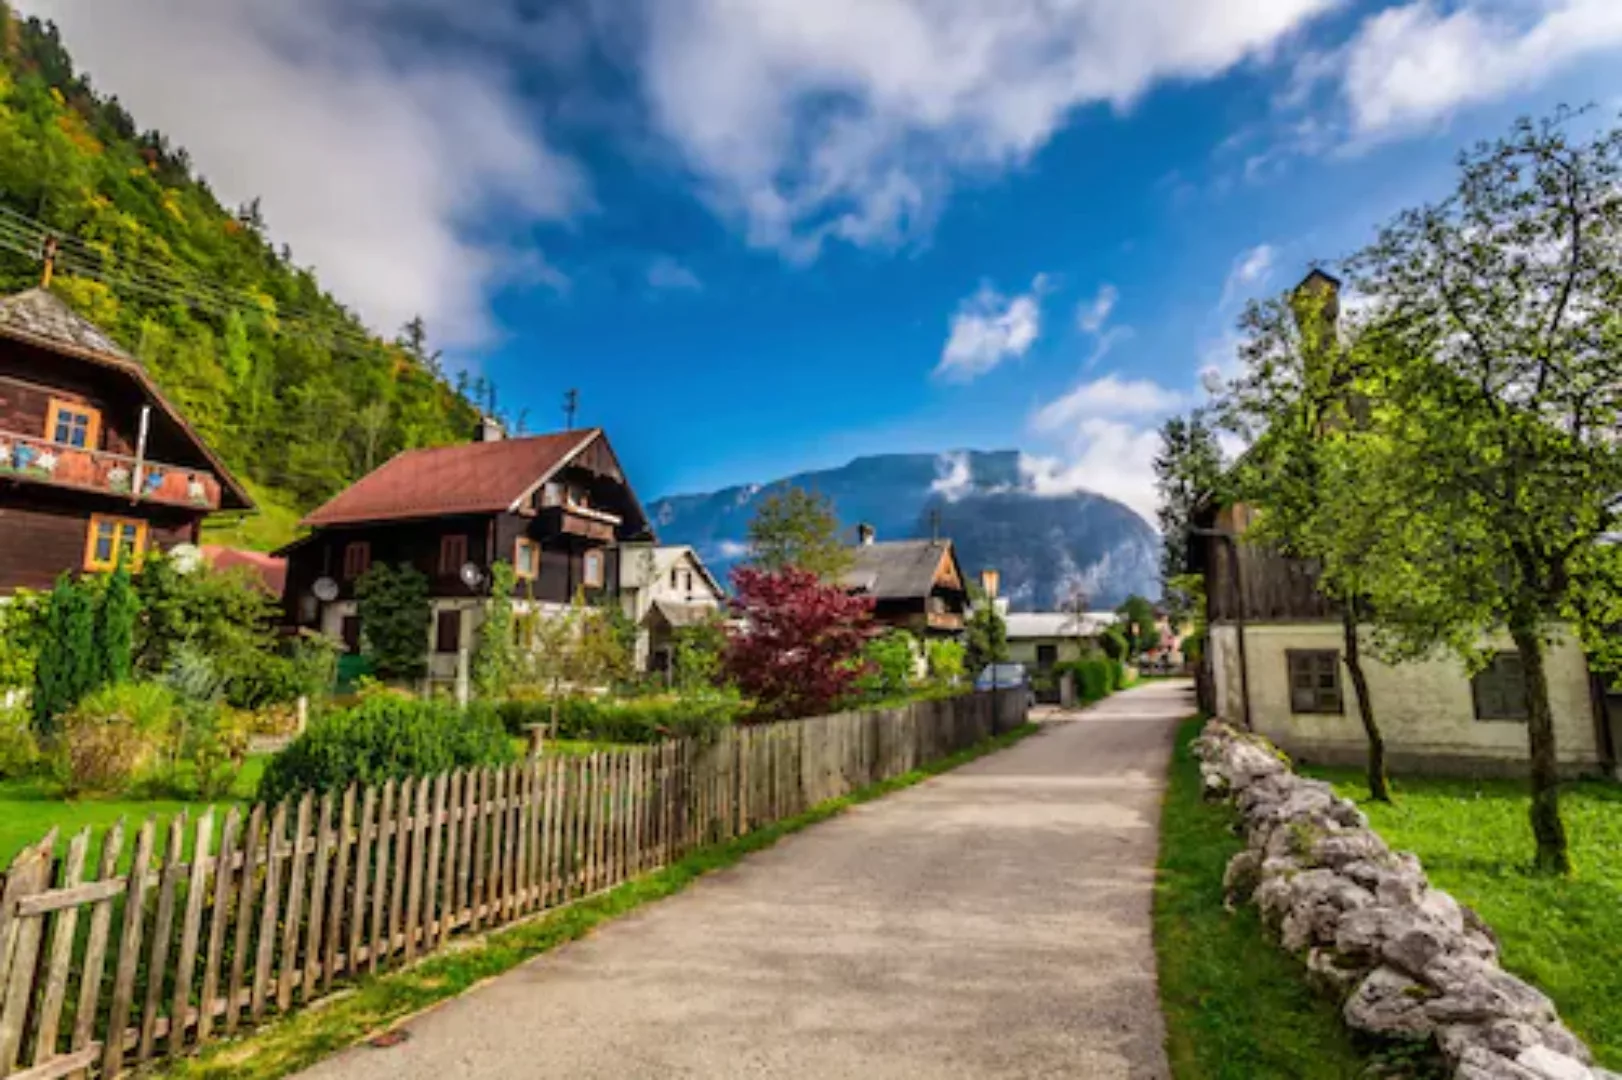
(1559, 934)
(1236, 1005)
(305, 1037)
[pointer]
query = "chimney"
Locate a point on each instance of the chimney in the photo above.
(865, 534)
(989, 580)
(489, 430)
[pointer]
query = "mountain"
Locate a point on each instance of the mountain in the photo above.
(287, 385)
(1045, 546)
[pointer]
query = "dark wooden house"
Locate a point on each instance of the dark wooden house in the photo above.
(93, 458)
(916, 585)
(555, 507)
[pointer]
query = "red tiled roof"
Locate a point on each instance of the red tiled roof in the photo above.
(270, 570)
(472, 478)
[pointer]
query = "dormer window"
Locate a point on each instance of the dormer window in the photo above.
(70, 423)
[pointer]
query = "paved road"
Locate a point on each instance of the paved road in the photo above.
(992, 922)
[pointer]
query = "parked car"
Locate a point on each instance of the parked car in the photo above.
(1006, 677)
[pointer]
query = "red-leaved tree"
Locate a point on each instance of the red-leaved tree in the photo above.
(797, 648)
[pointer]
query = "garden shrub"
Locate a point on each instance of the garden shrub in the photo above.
(889, 660)
(1095, 679)
(21, 622)
(303, 666)
(946, 660)
(114, 735)
(386, 736)
(637, 720)
(18, 751)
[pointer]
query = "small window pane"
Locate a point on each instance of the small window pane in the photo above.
(104, 542)
(1314, 680)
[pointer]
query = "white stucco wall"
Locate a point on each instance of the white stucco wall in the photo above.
(1023, 650)
(1424, 709)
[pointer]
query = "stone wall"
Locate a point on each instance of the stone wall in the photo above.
(1408, 961)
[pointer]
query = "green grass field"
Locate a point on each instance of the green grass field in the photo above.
(1237, 1007)
(1564, 936)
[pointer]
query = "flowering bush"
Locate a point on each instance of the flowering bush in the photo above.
(797, 651)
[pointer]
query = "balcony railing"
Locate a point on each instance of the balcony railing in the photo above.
(28, 457)
(587, 522)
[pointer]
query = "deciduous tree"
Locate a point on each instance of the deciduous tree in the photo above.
(798, 528)
(798, 642)
(1187, 468)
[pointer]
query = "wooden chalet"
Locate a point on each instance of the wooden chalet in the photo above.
(916, 585)
(94, 460)
(556, 507)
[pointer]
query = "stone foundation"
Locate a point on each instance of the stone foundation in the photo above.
(1408, 961)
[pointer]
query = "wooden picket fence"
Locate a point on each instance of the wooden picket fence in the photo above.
(155, 954)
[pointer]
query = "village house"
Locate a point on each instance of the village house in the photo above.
(916, 585)
(1042, 639)
(95, 463)
(663, 590)
(556, 507)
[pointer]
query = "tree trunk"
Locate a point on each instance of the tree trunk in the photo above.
(1379, 786)
(1547, 827)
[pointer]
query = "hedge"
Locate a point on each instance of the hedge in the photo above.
(633, 720)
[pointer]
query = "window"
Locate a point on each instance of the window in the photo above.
(448, 631)
(675, 574)
(357, 559)
(72, 424)
(108, 537)
(551, 493)
(349, 630)
(526, 558)
(1314, 681)
(1047, 656)
(452, 554)
(1499, 689)
(689, 578)
(591, 569)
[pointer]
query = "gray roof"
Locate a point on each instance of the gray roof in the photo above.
(1025, 625)
(678, 615)
(38, 316)
(896, 570)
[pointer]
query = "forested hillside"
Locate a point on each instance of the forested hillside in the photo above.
(277, 375)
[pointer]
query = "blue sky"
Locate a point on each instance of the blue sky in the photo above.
(765, 236)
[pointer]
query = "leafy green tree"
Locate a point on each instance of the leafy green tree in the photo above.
(66, 668)
(115, 626)
(697, 655)
(1304, 399)
(1138, 624)
(224, 614)
(945, 659)
(798, 528)
(573, 651)
(1188, 467)
(890, 659)
(1501, 358)
(985, 635)
(495, 655)
(21, 627)
(395, 611)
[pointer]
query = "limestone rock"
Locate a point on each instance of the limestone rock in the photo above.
(1550, 1064)
(1389, 1004)
(1479, 1063)
(1243, 874)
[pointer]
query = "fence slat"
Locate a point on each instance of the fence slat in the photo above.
(320, 870)
(338, 896)
(224, 876)
(380, 886)
(438, 826)
(464, 855)
(453, 828)
(129, 951)
(274, 850)
(397, 880)
(95, 950)
(419, 825)
(253, 844)
(518, 877)
(191, 929)
(162, 930)
(60, 958)
(364, 845)
(298, 856)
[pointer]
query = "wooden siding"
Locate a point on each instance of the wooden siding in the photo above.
(1244, 580)
(43, 533)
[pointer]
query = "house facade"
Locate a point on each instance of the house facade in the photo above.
(664, 590)
(1042, 639)
(1275, 654)
(95, 463)
(916, 585)
(556, 507)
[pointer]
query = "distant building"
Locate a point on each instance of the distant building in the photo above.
(916, 585)
(665, 589)
(1041, 639)
(269, 571)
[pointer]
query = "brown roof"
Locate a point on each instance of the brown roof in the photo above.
(43, 320)
(471, 478)
(269, 569)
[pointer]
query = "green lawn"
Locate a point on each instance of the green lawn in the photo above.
(29, 808)
(1564, 936)
(1236, 1005)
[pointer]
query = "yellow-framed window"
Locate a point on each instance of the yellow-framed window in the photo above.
(108, 536)
(526, 559)
(72, 423)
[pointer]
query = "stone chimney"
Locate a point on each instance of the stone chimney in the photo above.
(489, 430)
(989, 581)
(865, 534)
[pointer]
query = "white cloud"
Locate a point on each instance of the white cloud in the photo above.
(953, 476)
(1412, 65)
(1091, 315)
(731, 549)
(1110, 396)
(1251, 269)
(375, 163)
(665, 273)
(990, 328)
(851, 119)
(1111, 458)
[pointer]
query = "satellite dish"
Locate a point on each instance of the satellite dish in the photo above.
(325, 590)
(186, 557)
(471, 575)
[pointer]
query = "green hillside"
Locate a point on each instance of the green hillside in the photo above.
(285, 383)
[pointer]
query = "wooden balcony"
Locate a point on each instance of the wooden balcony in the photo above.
(945, 620)
(35, 460)
(581, 521)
